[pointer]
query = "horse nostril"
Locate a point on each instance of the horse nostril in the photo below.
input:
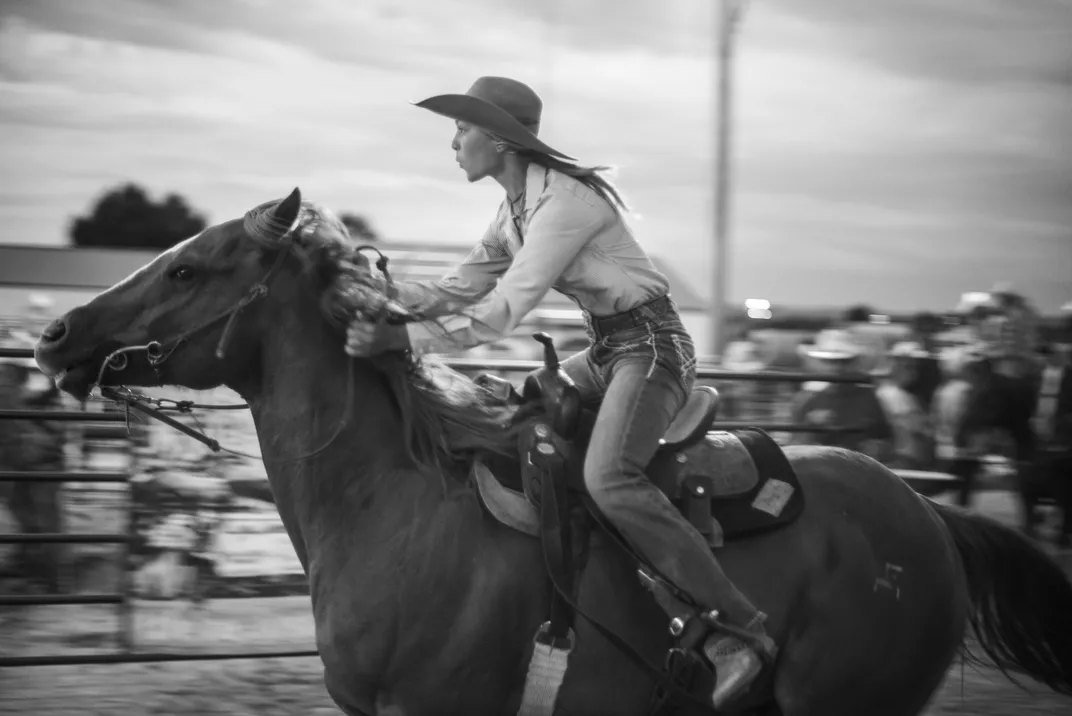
(54, 332)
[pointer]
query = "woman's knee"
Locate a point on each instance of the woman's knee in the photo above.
(606, 474)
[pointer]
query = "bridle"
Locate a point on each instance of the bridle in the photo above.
(158, 352)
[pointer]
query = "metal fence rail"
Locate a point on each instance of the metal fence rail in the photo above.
(105, 423)
(704, 372)
(121, 599)
(151, 657)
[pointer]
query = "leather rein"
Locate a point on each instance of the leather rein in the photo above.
(158, 352)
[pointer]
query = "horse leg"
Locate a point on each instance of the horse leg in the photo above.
(803, 682)
(600, 678)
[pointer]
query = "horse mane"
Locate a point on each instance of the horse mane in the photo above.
(446, 416)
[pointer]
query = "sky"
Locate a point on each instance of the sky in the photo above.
(893, 152)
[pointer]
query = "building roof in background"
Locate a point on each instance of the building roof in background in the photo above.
(97, 269)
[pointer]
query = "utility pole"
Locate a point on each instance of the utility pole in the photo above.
(727, 19)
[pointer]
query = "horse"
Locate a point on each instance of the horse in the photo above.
(424, 603)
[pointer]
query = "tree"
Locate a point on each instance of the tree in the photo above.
(359, 227)
(125, 217)
(860, 313)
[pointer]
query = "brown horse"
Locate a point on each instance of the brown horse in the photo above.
(424, 604)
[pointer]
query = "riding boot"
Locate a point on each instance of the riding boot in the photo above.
(736, 663)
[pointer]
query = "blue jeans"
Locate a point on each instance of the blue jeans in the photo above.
(644, 375)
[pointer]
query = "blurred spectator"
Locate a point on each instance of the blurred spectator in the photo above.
(959, 444)
(1053, 425)
(1010, 333)
(928, 373)
(912, 441)
(31, 445)
(869, 337)
(1053, 413)
(740, 356)
(853, 405)
(201, 554)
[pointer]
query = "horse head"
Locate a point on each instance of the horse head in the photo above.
(198, 315)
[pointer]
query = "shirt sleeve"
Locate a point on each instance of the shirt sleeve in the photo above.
(563, 221)
(464, 285)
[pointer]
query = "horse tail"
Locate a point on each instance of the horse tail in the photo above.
(1021, 601)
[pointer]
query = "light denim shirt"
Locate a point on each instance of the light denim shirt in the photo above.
(574, 242)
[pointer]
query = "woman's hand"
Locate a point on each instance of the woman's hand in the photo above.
(365, 338)
(360, 337)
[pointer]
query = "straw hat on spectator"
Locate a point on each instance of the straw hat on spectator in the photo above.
(832, 344)
(907, 349)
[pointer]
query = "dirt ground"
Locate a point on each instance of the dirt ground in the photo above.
(270, 687)
(287, 687)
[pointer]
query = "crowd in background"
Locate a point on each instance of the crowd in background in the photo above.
(921, 410)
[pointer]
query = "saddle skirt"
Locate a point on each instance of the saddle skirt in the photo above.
(727, 484)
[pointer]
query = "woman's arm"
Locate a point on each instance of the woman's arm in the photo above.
(464, 285)
(562, 223)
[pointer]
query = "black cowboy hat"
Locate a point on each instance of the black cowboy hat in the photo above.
(500, 105)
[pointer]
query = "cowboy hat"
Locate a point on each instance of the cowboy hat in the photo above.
(743, 356)
(832, 344)
(907, 349)
(500, 105)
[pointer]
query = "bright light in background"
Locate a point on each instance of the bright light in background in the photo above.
(758, 308)
(879, 319)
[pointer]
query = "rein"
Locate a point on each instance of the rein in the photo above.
(157, 353)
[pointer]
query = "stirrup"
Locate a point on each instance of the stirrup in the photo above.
(747, 636)
(736, 668)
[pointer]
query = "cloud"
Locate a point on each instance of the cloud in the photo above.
(979, 41)
(870, 138)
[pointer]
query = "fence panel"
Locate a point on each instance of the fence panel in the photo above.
(122, 599)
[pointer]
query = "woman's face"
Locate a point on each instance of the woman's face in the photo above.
(475, 152)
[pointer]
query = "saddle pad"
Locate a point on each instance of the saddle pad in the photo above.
(775, 501)
(727, 461)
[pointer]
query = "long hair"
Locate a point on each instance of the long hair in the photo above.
(592, 177)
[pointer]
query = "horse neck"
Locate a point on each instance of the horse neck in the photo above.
(341, 490)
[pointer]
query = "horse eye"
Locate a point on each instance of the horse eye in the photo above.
(181, 273)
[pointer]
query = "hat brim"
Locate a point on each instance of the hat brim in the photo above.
(488, 117)
(916, 355)
(833, 355)
(826, 354)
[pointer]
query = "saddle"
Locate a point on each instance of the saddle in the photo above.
(727, 485)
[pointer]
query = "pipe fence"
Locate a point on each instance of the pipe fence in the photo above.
(93, 420)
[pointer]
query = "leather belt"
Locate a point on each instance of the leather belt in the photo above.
(642, 314)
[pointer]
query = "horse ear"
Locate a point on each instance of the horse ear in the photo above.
(286, 211)
(271, 223)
